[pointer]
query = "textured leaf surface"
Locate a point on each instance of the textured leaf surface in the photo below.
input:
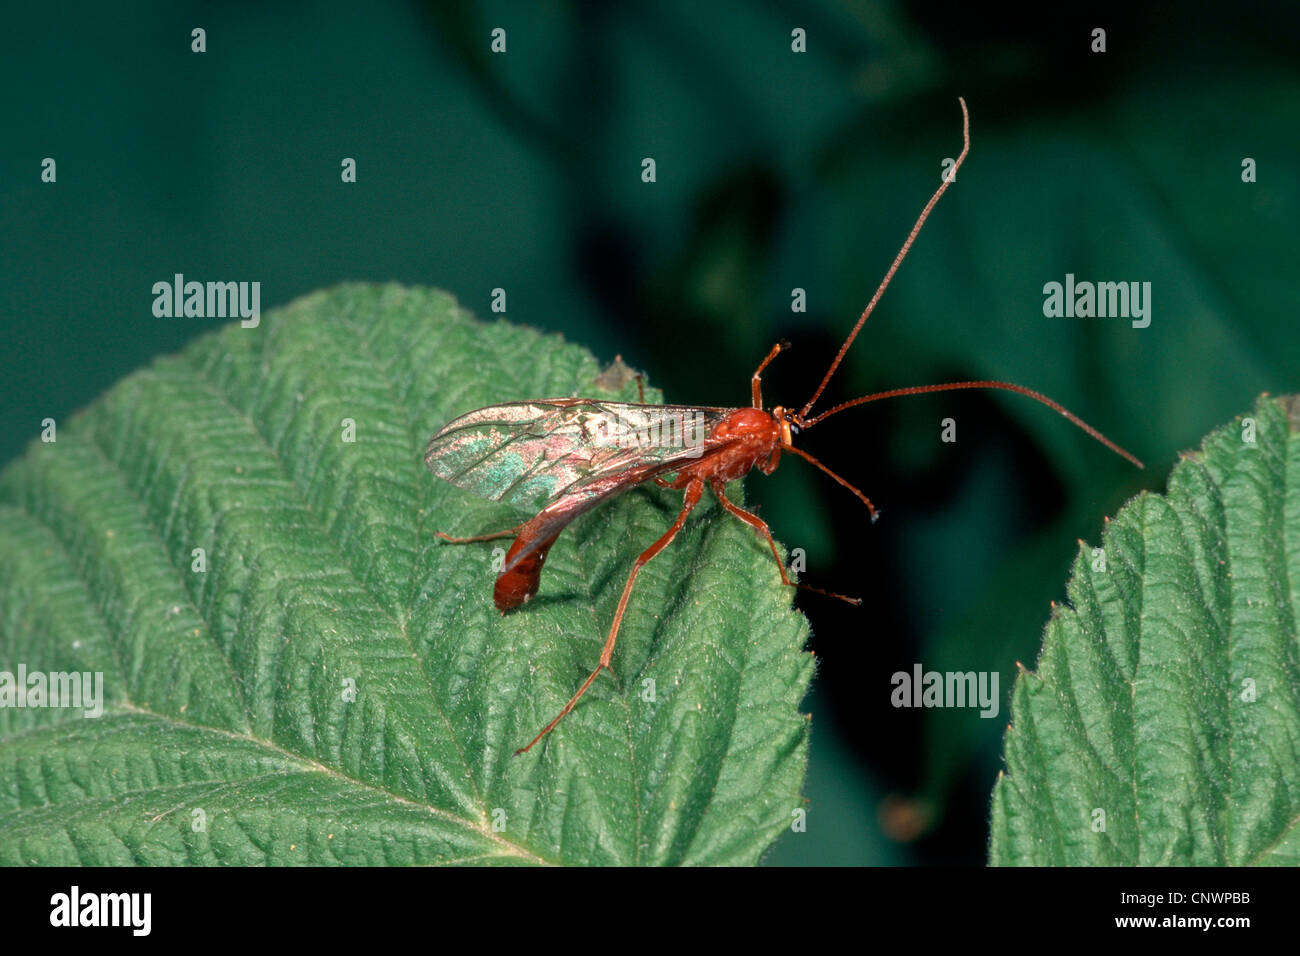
(228, 735)
(1168, 696)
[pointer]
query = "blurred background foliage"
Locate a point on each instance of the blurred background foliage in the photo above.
(775, 170)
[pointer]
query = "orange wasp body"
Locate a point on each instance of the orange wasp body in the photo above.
(574, 453)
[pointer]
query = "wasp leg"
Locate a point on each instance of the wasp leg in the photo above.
(508, 533)
(694, 491)
(754, 521)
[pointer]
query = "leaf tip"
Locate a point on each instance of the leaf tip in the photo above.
(1291, 406)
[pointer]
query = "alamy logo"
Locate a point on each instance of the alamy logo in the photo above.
(923, 688)
(208, 300)
(663, 429)
(103, 909)
(1104, 300)
(78, 689)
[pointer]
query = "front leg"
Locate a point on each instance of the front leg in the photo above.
(756, 382)
(754, 521)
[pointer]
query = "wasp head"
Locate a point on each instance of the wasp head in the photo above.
(789, 421)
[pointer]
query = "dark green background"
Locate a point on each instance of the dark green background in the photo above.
(775, 170)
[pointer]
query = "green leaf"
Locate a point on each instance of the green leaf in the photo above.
(229, 734)
(1166, 703)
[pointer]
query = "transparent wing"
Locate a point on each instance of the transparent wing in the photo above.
(530, 454)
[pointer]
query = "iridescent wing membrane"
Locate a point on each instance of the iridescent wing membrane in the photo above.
(563, 456)
(530, 454)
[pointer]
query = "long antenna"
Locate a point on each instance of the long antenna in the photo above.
(954, 386)
(898, 259)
